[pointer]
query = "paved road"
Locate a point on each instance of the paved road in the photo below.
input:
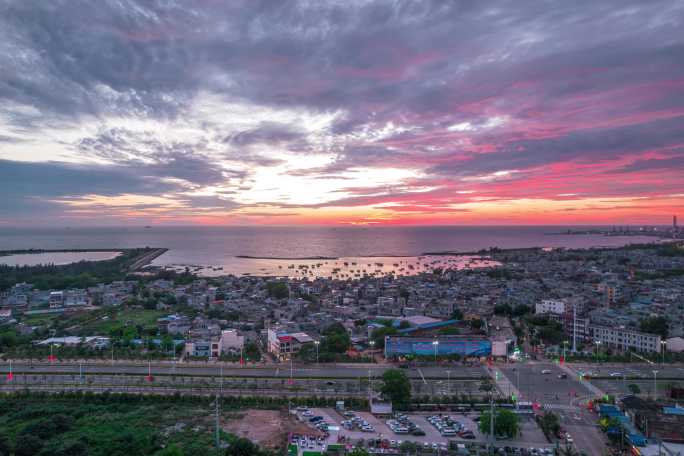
(547, 389)
(281, 371)
(636, 371)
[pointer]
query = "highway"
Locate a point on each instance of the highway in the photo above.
(333, 371)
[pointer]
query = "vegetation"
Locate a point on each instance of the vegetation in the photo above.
(655, 325)
(112, 425)
(75, 275)
(333, 347)
(396, 387)
(506, 309)
(378, 335)
(506, 423)
(40, 424)
(549, 424)
(278, 290)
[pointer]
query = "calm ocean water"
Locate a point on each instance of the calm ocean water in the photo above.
(220, 246)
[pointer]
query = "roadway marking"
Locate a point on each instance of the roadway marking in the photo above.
(422, 376)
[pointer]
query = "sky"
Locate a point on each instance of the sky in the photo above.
(346, 112)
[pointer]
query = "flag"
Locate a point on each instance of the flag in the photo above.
(149, 378)
(10, 377)
(52, 358)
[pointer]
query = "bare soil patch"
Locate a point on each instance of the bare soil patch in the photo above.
(268, 428)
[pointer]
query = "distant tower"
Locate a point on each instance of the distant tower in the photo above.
(674, 223)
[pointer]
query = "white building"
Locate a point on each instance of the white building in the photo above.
(550, 306)
(231, 341)
(284, 345)
(625, 339)
(56, 299)
(675, 344)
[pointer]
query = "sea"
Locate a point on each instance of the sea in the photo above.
(310, 251)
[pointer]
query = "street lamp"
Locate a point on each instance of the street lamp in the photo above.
(565, 345)
(435, 343)
(598, 343)
(663, 345)
(655, 385)
(448, 372)
(316, 343)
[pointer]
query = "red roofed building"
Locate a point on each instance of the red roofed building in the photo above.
(284, 345)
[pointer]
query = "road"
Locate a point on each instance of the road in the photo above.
(560, 396)
(546, 389)
(339, 371)
(631, 371)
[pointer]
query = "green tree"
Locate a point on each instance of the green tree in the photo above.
(378, 335)
(396, 387)
(655, 325)
(27, 445)
(278, 290)
(457, 314)
(171, 450)
(506, 423)
(4, 446)
(359, 452)
(486, 385)
(634, 388)
(335, 339)
(550, 423)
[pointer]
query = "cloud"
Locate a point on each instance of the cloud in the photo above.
(401, 106)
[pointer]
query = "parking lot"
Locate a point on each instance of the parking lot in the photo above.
(340, 429)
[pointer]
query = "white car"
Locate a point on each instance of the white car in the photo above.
(615, 374)
(546, 371)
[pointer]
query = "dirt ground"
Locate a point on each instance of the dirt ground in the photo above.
(268, 428)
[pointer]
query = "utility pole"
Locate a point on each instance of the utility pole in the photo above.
(370, 388)
(655, 385)
(491, 421)
(217, 422)
(574, 327)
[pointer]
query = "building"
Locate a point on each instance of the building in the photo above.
(284, 345)
(625, 339)
(230, 340)
(441, 346)
(611, 292)
(675, 344)
(56, 299)
(550, 306)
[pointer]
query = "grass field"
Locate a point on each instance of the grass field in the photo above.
(108, 426)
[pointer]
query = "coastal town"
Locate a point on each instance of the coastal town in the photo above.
(569, 308)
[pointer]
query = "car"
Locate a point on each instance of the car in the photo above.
(417, 431)
(616, 374)
(546, 371)
(563, 376)
(315, 419)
